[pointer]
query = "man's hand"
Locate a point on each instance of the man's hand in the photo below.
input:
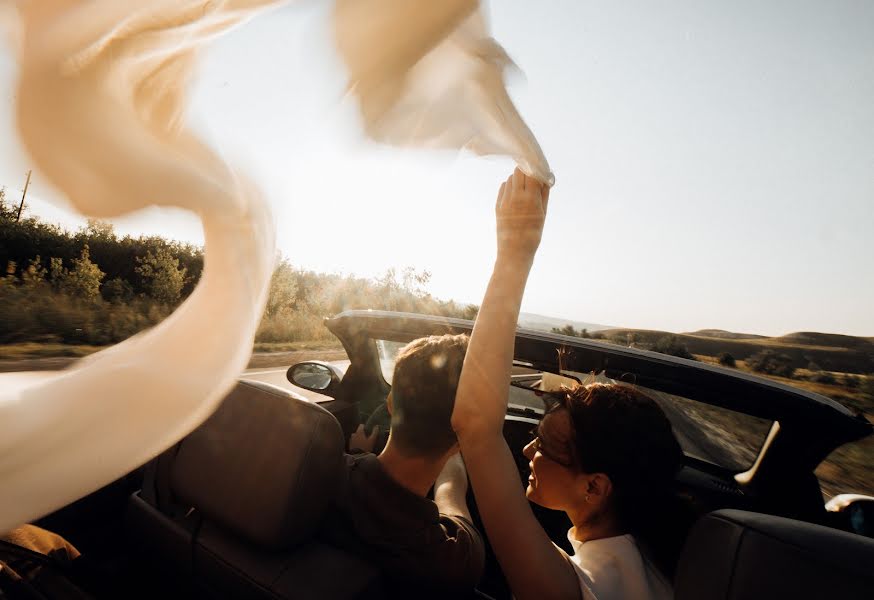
(361, 441)
(520, 211)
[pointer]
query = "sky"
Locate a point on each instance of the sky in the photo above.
(714, 162)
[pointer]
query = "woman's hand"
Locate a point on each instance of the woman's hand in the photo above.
(520, 212)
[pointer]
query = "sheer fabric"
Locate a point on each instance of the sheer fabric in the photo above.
(100, 104)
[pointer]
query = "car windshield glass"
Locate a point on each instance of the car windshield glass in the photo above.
(713, 434)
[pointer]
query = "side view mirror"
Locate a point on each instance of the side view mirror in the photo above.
(316, 376)
(854, 512)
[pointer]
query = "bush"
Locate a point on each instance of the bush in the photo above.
(670, 344)
(823, 377)
(726, 360)
(162, 274)
(771, 363)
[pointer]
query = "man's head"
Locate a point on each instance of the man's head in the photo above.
(423, 395)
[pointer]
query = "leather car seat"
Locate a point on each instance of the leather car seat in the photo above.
(735, 555)
(232, 509)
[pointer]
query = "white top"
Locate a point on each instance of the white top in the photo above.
(614, 569)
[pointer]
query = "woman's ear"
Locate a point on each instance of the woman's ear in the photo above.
(599, 488)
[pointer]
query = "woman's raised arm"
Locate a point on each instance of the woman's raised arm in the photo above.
(534, 567)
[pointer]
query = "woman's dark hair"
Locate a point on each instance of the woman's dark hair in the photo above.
(623, 433)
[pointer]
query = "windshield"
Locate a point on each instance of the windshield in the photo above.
(713, 434)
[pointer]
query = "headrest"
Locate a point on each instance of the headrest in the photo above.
(265, 465)
(732, 554)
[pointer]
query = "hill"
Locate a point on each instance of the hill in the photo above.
(832, 340)
(832, 352)
(544, 323)
(726, 335)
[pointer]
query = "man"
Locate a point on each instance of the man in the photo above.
(384, 513)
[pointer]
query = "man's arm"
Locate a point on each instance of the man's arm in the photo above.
(450, 489)
(534, 567)
(462, 553)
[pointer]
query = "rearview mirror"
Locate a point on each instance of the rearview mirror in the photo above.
(315, 376)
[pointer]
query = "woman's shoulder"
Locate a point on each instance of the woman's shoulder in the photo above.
(613, 567)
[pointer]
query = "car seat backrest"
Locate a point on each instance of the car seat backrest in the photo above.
(265, 465)
(232, 510)
(732, 554)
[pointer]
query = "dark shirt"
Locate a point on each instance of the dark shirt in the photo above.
(403, 533)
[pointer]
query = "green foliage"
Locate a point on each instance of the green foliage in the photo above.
(671, 344)
(165, 279)
(117, 290)
(83, 280)
(34, 276)
(768, 361)
(61, 299)
(283, 290)
(726, 360)
(470, 312)
(569, 330)
(299, 300)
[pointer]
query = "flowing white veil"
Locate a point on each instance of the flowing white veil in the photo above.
(100, 104)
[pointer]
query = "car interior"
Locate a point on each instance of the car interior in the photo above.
(233, 509)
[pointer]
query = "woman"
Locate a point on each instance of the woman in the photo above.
(604, 454)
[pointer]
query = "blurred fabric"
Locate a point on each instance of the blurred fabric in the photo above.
(101, 99)
(428, 74)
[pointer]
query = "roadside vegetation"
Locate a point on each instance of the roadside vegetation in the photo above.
(70, 293)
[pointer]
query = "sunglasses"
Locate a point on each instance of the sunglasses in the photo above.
(539, 447)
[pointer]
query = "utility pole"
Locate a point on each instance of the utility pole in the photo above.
(21, 206)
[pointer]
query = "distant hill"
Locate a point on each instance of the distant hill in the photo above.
(835, 340)
(726, 335)
(544, 323)
(832, 352)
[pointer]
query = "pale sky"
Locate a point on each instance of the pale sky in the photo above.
(714, 162)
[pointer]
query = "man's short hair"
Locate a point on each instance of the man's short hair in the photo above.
(424, 383)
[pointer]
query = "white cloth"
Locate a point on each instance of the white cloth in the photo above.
(101, 101)
(428, 74)
(614, 569)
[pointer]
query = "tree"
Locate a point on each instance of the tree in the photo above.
(82, 281)
(470, 311)
(117, 290)
(726, 360)
(35, 274)
(283, 289)
(163, 277)
(768, 361)
(671, 344)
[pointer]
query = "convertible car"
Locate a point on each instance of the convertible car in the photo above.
(233, 509)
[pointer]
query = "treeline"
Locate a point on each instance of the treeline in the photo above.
(94, 287)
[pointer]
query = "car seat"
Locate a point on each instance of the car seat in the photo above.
(735, 555)
(232, 510)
